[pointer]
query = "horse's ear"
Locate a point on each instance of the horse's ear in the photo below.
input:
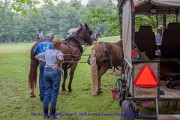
(81, 25)
(86, 25)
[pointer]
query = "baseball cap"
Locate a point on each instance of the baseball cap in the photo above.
(160, 27)
(49, 35)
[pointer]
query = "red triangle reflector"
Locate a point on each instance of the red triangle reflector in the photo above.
(146, 78)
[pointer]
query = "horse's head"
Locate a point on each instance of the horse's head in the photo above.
(85, 33)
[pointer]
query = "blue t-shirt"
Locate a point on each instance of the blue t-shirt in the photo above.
(158, 39)
(43, 46)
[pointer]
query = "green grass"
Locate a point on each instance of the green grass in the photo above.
(15, 102)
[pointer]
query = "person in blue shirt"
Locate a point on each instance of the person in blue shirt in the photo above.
(52, 76)
(40, 48)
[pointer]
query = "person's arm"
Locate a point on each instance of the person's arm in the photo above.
(60, 60)
(57, 65)
(40, 57)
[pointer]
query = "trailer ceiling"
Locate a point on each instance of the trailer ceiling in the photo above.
(155, 6)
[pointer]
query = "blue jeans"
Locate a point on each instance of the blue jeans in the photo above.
(52, 79)
(41, 80)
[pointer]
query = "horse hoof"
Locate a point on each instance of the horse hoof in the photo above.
(99, 91)
(32, 96)
(70, 91)
(64, 90)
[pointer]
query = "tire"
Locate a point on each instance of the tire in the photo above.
(127, 111)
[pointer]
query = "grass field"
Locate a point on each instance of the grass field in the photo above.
(15, 102)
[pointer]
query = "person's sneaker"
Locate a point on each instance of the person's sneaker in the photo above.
(54, 117)
(46, 116)
(46, 113)
(32, 95)
(53, 114)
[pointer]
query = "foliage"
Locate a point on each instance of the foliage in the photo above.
(145, 20)
(58, 19)
(103, 16)
(152, 20)
(172, 18)
(55, 18)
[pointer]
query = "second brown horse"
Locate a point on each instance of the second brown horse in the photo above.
(107, 55)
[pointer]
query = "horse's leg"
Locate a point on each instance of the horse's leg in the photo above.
(99, 78)
(64, 80)
(101, 71)
(73, 67)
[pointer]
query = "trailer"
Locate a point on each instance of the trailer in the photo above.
(148, 68)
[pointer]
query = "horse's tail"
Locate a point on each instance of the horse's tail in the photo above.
(33, 74)
(94, 72)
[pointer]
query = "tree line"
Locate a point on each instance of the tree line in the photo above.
(20, 24)
(100, 15)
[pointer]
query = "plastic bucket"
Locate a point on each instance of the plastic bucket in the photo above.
(115, 93)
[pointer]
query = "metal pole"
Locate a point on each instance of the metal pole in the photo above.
(177, 15)
(132, 37)
(157, 22)
(120, 21)
(157, 108)
(164, 21)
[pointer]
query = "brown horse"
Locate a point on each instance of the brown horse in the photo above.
(72, 50)
(107, 55)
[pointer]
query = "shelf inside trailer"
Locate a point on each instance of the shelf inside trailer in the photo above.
(168, 93)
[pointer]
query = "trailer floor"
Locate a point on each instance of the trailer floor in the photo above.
(169, 117)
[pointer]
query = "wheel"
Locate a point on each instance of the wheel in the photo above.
(127, 111)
